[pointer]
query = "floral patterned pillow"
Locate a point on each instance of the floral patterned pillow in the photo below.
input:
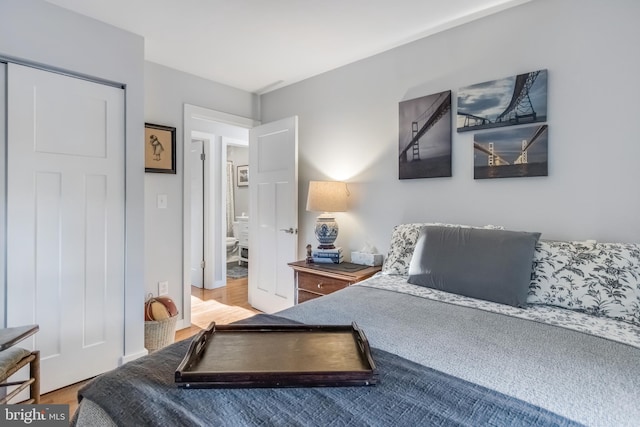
(403, 242)
(601, 279)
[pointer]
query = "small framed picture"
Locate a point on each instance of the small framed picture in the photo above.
(242, 175)
(159, 148)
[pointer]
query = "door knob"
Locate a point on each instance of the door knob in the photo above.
(289, 230)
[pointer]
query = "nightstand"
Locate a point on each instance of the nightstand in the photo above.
(316, 280)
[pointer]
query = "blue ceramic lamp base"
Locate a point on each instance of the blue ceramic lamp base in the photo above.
(326, 231)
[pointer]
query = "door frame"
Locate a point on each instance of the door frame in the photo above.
(208, 227)
(198, 120)
(196, 164)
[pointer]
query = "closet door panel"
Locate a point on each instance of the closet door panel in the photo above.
(65, 221)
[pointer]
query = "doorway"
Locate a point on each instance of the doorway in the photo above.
(217, 131)
(222, 234)
(273, 195)
(210, 196)
(236, 207)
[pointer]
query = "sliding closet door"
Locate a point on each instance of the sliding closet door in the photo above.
(65, 221)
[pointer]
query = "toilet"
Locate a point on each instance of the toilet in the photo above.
(232, 245)
(232, 241)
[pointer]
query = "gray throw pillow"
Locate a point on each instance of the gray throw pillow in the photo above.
(493, 265)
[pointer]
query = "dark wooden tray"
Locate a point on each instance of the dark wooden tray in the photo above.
(277, 356)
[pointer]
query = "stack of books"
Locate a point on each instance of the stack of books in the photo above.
(327, 256)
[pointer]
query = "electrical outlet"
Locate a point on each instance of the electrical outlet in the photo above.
(163, 288)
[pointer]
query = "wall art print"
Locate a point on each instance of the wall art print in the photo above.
(425, 137)
(242, 177)
(510, 153)
(159, 148)
(510, 101)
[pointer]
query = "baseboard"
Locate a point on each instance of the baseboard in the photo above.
(128, 358)
(217, 284)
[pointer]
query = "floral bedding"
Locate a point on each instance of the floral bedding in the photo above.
(604, 327)
(601, 279)
(597, 283)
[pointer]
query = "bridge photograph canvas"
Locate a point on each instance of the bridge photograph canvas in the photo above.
(510, 101)
(511, 153)
(425, 137)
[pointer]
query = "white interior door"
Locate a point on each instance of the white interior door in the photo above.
(65, 221)
(273, 223)
(197, 213)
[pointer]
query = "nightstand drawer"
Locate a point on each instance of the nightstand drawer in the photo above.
(306, 295)
(316, 280)
(320, 284)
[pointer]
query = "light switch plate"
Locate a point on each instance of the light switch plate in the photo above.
(162, 201)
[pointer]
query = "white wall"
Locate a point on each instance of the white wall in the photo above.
(38, 32)
(349, 126)
(166, 92)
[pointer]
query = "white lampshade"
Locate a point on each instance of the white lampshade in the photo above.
(327, 196)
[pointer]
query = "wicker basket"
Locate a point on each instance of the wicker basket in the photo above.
(160, 333)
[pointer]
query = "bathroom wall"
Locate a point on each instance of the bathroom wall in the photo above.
(239, 156)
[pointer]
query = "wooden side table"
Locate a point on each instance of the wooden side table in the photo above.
(316, 280)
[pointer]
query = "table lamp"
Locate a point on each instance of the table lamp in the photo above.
(327, 197)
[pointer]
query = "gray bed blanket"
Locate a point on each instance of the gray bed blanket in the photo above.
(143, 393)
(589, 379)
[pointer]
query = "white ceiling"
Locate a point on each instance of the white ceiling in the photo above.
(261, 45)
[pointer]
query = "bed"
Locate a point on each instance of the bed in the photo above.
(568, 355)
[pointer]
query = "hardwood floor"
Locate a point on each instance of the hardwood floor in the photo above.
(223, 305)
